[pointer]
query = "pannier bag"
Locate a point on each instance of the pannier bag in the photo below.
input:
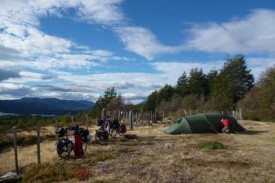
(123, 128)
(99, 122)
(85, 135)
(115, 124)
(61, 132)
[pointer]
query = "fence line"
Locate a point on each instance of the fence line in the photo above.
(149, 117)
(131, 117)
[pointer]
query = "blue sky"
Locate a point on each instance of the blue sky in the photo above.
(73, 49)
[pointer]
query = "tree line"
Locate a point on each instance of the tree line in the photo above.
(217, 90)
(227, 89)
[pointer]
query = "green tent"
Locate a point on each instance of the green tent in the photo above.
(202, 123)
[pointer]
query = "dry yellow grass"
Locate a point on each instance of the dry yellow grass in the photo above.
(157, 157)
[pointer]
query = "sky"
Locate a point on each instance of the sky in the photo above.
(76, 49)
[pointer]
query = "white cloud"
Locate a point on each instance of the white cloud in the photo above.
(136, 96)
(27, 12)
(173, 70)
(33, 42)
(19, 25)
(106, 12)
(254, 33)
(259, 65)
(7, 73)
(143, 42)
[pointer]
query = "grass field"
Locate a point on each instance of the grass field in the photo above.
(155, 157)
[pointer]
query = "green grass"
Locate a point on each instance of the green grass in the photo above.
(212, 145)
(63, 171)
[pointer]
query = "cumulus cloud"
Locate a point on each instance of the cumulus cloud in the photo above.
(259, 65)
(47, 77)
(20, 33)
(135, 96)
(254, 33)
(10, 90)
(7, 73)
(8, 53)
(143, 42)
(106, 12)
(173, 70)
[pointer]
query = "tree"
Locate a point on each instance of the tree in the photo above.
(233, 81)
(182, 85)
(102, 102)
(210, 78)
(151, 103)
(116, 103)
(165, 93)
(197, 82)
(259, 103)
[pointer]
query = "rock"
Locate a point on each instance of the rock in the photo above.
(10, 177)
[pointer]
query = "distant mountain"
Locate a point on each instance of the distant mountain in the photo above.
(45, 106)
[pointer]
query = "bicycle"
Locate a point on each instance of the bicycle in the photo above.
(65, 145)
(101, 134)
(117, 128)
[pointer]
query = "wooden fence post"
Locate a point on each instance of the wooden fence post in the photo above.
(86, 120)
(118, 115)
(240, 114)
(38, 144)
(131, 119)
(72, 120)
(15, 150)
(56, 124)
(103, 114)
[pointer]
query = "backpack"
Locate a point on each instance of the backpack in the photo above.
(115, 124)
(61, 132)
(100, 122)
(123, 128)
(85, 135)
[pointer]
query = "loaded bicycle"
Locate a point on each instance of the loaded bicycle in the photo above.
(65, 144)
(101, 134)
(117, 128)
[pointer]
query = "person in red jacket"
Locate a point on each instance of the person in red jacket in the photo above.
(78, 150)
(227, 124)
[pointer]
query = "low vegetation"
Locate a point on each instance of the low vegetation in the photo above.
(156, 157)
(64, 170)
(212, 145)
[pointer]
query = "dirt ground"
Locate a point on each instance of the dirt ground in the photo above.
(154, 156)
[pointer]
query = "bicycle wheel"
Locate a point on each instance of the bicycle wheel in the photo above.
(121, 133)
(113, 133)
(100, 137)
(64, 148)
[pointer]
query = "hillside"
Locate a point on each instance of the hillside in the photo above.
(156, 157)
(46, 106)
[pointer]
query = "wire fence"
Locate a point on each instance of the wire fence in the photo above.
(132, 118)
(138, 118)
